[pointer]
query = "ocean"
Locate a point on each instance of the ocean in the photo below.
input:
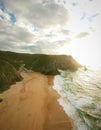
(80, 97)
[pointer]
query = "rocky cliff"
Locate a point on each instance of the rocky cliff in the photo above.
(8, 75)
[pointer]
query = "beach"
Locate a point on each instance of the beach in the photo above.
(32, 105)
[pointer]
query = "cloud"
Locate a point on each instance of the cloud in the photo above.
(66, 32)
(32, 25)
(4, 16)
(44, 26)
(45, 46)
(13, 36)
(48, 15)
(39, 14)
(30, 21)
(82, 35)
(2, 6)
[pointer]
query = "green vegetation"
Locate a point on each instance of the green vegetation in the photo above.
(46, 64)
(16, 59)
(11, 62)
(8, 75)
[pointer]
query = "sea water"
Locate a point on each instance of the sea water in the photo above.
(80, 97)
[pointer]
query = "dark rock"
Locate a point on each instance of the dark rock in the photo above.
(46, 64)
(50, 64)
(8, 75)
(1, 99)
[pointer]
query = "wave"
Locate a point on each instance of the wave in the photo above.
(82, 90)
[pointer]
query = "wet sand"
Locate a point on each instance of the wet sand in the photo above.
(32, 105)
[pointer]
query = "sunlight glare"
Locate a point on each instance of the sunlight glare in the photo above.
(86, 54)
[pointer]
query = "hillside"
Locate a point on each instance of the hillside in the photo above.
(49, 64)
(11, 63)
(8, 75)
(46, 64)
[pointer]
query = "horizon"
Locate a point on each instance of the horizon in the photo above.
(50, 64)
(34, 53)
(52, 27)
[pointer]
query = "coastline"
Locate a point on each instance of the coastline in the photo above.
(32, 104)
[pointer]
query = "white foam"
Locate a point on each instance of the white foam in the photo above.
(67, 107)
(58, 82)
(84, 100)
(72, 113)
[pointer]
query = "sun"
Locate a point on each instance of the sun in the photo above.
(87, 54)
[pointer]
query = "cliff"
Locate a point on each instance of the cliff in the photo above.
(46, 64)
(8, 75)
(11, 63)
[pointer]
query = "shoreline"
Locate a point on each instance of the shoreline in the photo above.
(32, 105)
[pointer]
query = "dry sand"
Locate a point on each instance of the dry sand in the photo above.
(32, 105)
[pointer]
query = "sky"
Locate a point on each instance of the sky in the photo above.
(52, 27)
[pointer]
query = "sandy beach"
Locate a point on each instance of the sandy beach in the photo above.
(32, 105)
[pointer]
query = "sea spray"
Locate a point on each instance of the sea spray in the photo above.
(80, 97)
(68, 108)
